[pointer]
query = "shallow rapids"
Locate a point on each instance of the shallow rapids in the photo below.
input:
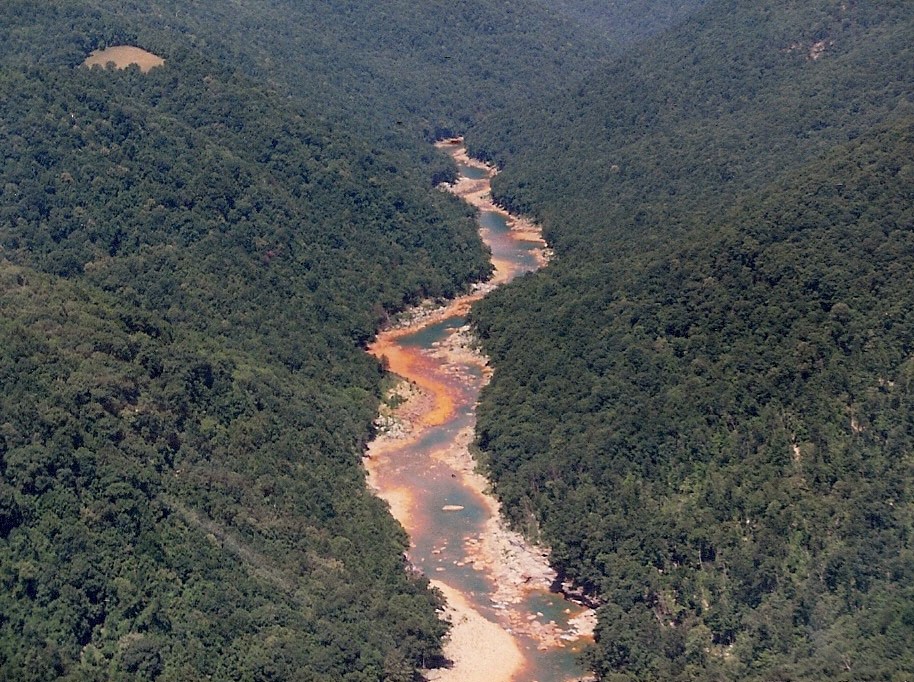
(507, 624)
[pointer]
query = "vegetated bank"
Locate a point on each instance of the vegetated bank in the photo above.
(704, 400)
(189, 267)
(191, 260)
(508, 622)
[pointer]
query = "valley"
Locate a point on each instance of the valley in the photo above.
(508, 623)
(242, 292)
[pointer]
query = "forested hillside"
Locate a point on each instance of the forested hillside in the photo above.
(189, 264)
(704, 403)
(686, 122)
(625, 21)
(191, 260)
(402, 70)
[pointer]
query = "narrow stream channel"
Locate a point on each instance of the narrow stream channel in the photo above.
(508, 625)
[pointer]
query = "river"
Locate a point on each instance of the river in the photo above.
(507, 624)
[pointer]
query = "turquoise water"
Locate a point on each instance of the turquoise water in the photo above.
(440, 537)
(504, 247)
(549, 606)
(495, 222)
(440, 548)
(425, 337)
(472, 172)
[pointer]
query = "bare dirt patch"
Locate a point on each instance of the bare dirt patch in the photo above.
(123, 56)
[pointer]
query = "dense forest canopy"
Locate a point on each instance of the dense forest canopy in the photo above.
(703, 404)
(625, 21)
(191, 260)
(190, 265)
(402, 69)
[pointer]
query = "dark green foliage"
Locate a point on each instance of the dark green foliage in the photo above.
(627, 20)
(190, 267)
(179, 518)
(192, 259)
(704, 404)
(400, 69)
(200, 180)
(686, 122)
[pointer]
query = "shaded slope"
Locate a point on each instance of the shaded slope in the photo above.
(719, 441)
(703, 402)
(171, 514)
(625, 21)
(690, 120)
(396, 67)
(189, 266)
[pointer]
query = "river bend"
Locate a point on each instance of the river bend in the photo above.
(507, 624)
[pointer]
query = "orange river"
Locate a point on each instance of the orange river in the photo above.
(508, 623)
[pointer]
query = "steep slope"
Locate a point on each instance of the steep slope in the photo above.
(703, 403)
(626, 21)
(172, 509)
(686, 122)
(722, 440)
(399, 68)
(191, 260)
(189, 266)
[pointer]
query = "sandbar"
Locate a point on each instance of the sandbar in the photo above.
(481, 651)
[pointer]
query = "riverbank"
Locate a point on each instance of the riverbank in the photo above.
(425, 431)
(480, 650)
(478, 193)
